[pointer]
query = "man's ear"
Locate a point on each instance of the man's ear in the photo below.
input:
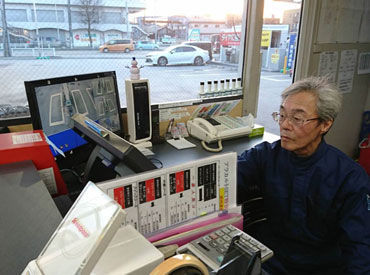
(325, 126)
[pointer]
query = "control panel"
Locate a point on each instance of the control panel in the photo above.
(164, 197)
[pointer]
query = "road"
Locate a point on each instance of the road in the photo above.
(170, 83)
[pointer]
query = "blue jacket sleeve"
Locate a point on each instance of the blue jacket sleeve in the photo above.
(250, 174)
(354, 224)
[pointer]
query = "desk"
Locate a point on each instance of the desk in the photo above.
(171, 156)
(28, 216)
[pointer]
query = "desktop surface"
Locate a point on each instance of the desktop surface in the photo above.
(170, 156)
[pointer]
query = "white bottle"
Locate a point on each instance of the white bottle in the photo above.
(201, 89)
(222, 85)
(227, 88)
(209, 89)
(239, 86)
(215, 88)
(233, 84)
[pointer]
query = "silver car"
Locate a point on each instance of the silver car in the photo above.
(180, 54)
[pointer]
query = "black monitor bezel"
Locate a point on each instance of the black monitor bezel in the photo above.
(30, 87)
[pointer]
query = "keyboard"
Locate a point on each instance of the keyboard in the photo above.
(212, 247)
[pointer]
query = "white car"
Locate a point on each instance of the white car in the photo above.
(180, 54)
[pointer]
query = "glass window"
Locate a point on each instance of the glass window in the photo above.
(16, 15)
(278, 51)
(167, 23)
(188, 49)
(76, 17)
(111, 18)
(48, 15)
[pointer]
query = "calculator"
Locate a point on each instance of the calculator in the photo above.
(211, 248)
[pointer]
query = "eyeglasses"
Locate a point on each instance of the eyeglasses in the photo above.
(293, 119)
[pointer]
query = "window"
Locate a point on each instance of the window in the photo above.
(275, 39)
(278, 42)
(16, 15)
(111, 18)
(167, 23)
(188, 49)
(76, 17)
(48, 16)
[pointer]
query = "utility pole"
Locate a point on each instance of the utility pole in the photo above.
(56, 16)
(71, 44)
(37, 28)
(127, 23)
(5, 31)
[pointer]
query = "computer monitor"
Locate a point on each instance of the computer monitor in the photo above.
(54, 101)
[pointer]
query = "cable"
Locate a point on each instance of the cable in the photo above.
(74, 173)
(219, 149)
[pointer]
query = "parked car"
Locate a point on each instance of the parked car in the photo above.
(168, 40)
(117, 45)
(205, 45)
(180, 54)
(146, 45)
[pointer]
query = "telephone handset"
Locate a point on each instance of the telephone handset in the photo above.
(206, 125)
(219, 128)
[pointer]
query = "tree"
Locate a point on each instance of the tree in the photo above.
(89, 12)
(5, 30)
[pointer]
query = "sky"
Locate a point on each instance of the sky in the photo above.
(215, 9)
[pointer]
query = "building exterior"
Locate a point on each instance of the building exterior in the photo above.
(271, 21)
(181, 28)
(206, 27)
(291, 18)
(48, 20)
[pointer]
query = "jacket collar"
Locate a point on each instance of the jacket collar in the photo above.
(308, 161)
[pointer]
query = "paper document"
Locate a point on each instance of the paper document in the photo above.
(181, 143)
(145, 151)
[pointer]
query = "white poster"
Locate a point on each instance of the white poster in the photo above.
(328, 65)
(346, 71)
(81, 39)
(364, 63)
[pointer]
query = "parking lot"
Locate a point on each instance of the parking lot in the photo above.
(169, 83)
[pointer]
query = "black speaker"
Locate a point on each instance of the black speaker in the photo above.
(139, 118)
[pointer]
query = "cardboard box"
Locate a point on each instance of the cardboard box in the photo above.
(31, 145)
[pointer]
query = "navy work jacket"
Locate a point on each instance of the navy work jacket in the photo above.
(318, 208)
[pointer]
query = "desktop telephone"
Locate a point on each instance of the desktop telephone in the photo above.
(218, 128)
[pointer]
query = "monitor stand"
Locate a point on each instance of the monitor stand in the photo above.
(99, 153)
(114, 151)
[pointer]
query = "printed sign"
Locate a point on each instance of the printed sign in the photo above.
(291, 50)
(266, 39)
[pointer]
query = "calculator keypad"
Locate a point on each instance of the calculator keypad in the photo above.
(215, 244)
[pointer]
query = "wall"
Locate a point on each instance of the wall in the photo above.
(367, 105)
(337, 25)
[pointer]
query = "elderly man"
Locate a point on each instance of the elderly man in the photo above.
(317, 199)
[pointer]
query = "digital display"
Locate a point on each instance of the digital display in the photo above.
(54, 101)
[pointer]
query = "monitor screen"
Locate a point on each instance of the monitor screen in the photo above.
(54, 101)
